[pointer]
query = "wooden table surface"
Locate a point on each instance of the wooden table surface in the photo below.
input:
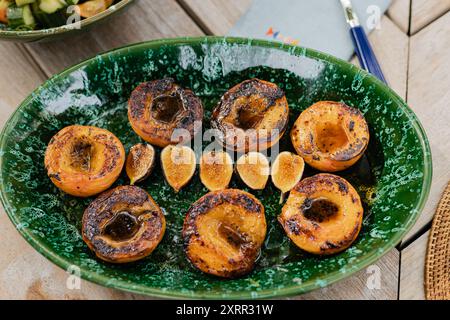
(413, 46)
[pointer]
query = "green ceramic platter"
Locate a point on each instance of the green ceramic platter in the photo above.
(58, 33)
(393, 178)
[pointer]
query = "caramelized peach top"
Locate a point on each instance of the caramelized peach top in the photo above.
(330, 136)
(84, 160)
(323, 214)
(252, 116)
(223, 232)
(123, 225)
(157, 108)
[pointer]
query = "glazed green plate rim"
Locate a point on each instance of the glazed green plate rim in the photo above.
(30, 34)
(291, 290)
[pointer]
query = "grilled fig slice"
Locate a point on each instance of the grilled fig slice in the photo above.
(252, 116)
(157, 108)
(223, 232)
(83, 161)
(254, 170)
(140, 162)
(330, 136)
(323, 214)
(216, 170)
(287, 170)
(123, 225)
(178, 164)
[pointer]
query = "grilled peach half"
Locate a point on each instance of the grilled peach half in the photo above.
(330, 136)
(123, 225)
(84, 160)
(251, 116)
(223, 232)
(156, 109)
(323, 214)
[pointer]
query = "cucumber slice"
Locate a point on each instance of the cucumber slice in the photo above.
(15, 16)
(28, 17)
(51, 6)
(21, 3)
(46, 20)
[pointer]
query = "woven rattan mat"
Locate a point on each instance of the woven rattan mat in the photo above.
(437, 266)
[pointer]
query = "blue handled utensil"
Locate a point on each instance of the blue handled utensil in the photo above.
(363, 49)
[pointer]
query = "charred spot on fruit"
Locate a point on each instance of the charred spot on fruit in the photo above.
(122, 226)
(249, 116)
(165, 108)
(319, 210)
(55, 176)
(248, 203)
(232, 235)
(292, 226)
(296, 228)
(329, 245)
(357, 148)
(342, 186)
(163, 85)
(351, 125)
(81, 154)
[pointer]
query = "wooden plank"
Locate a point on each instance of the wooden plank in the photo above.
(25, 274)
(399, 13)
(428, 96)
(20, 76)
(412, 269)
(145, 20)
(377, 282)
(390, 45)
(216, 16)
(423, 12)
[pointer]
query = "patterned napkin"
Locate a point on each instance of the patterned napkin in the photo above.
(318, 24)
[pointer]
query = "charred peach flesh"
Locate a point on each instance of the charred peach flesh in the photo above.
(223, 232)
(251, 116)
(157, 108)
(83, 160)
(323, 214)
(330, 136)
(123, 225)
